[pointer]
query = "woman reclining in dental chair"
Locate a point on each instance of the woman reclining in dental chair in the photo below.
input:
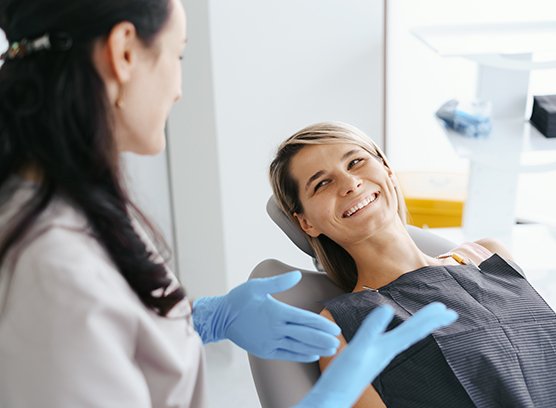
(335, 182)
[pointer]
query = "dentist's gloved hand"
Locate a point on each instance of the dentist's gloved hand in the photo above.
(264, 326)
(369, 352)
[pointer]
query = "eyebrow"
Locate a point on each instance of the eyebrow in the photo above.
(321, 172)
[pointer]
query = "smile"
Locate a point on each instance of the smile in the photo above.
(360, 205)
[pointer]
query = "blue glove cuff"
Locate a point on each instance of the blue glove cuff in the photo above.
(326, 399)
(252, 319)
(207, 318)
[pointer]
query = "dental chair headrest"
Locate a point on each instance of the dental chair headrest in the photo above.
(290, 228)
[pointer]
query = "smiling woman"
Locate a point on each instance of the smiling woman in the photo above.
(335, 196)
(357, 153)
(338, 186)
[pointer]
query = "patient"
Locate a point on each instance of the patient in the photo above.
(337, 185)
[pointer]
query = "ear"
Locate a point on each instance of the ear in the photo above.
(306, 225)
(122, 47)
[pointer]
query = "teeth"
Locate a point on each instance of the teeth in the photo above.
(360, 205)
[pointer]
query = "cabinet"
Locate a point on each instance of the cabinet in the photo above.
(504, 56)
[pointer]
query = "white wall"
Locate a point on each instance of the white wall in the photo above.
(255, 72)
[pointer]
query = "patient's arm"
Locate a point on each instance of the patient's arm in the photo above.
(369, 398)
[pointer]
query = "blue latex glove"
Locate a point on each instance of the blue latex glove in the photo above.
(262, 325)
(369, 352)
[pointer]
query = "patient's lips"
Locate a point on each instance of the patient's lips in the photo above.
(360, 205)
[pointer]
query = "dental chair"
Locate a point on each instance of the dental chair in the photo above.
(282, 384)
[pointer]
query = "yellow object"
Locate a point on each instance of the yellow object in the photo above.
(454, 256)
(457, 258)
(434, 200)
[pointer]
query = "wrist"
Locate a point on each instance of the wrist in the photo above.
(207, 318)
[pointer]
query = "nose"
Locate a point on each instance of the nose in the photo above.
(350, 183)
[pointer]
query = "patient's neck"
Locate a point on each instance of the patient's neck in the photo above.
(386, 256)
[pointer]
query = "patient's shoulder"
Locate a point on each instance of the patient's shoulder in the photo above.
(495, 246)
(482, 249)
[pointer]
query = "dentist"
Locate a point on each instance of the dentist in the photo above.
(90, 316)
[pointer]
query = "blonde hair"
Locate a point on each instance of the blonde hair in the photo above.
(335, 260)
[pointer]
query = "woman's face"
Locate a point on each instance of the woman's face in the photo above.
(153, 89)
(346, 193)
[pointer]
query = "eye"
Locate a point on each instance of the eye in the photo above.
(355, 162)
(320, 184)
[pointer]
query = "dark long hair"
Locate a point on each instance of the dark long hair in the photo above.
(54, 115)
